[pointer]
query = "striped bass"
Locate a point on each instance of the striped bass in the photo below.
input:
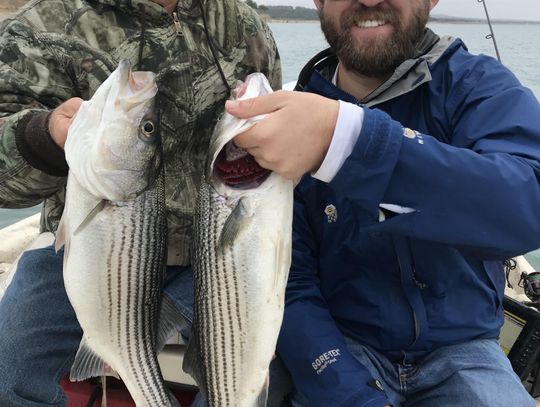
(241, 264)
(113, 229)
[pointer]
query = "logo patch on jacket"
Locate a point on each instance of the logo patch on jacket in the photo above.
(326, 359)
(409, 133)
(413, 134)
(331, 213)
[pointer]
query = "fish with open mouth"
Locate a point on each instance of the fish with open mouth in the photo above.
(241, 264)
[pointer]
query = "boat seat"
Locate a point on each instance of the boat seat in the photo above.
(170, 360)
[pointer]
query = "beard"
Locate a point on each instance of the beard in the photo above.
(376, 57)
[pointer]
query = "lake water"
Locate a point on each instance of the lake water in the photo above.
(519, 46)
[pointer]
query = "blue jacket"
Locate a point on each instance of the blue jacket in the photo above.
(410, 283)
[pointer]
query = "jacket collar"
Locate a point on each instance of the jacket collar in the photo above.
(149, 11)
(407, 76)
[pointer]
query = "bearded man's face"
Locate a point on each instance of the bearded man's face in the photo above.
(374, 40)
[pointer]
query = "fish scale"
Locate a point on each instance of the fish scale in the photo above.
(134, 332)
(225, 296)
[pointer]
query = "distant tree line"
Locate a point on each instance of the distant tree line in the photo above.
(303, 13)
(285, 12)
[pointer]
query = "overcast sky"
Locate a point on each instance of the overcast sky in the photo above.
(505, 9)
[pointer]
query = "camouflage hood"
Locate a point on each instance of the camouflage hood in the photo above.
(146, 9)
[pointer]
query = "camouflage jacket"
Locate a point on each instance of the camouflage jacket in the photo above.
(54, 50)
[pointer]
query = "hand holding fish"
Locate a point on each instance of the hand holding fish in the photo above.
(295, 135)
(61, 119)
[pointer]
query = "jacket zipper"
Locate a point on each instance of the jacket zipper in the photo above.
(177, 25)
(415, 318)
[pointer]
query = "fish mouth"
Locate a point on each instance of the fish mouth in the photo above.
(238, 169)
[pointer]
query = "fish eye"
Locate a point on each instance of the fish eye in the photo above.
(147, 130)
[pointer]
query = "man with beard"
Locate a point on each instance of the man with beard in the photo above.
(415, 152)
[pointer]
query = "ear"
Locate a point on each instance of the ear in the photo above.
(318, 4)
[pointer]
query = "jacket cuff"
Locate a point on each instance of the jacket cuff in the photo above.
(36, 146)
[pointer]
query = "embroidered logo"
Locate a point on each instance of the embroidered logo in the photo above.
(331, 213)
(409, 133)
(413, 134)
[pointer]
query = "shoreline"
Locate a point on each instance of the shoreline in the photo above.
(4, 13)
(434, 20)
(290, 21)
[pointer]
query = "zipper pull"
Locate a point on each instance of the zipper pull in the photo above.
(177, 24)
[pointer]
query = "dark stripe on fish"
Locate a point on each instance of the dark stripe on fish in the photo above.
(237, 318)
(109, 279)
(119, 286)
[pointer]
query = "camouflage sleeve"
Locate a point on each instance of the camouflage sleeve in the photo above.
(274, 62)
(33, 81)
(262, 48)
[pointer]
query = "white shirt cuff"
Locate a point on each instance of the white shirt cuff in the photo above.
(348, 127)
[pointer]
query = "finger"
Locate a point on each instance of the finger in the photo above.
(76, 102)
(246, 139)
(244, 109)
(73, 105)
(68, 108)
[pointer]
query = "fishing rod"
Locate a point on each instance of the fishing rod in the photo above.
(491, 35)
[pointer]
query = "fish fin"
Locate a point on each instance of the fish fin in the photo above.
(170, 322)
(98, 208)
(262, 398)
(192, 365)
(61, 237)
(87, 364)
(234, 224)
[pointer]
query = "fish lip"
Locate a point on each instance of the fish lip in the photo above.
(228, 191)
(142, 84)
(235, 126)
(124, 70)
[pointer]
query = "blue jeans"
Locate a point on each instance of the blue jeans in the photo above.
(474, 374)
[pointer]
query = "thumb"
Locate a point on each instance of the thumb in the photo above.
(73, 105)
(75, 102)
(247, 108)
